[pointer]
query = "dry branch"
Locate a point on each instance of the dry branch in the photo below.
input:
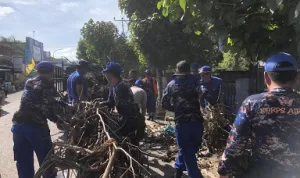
(94, 147)
(217, 121)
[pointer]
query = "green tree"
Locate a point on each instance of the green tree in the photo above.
(101, 43)
(260, 27)
(82, 50)
(124, 54)
(97, 42)
(163, 44)
(233, 62)
(17, 45)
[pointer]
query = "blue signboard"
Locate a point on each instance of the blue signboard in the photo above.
(36, 49)
(27, 57)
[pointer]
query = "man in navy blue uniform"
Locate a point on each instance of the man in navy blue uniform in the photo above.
(181, 96)
(265, 137)
(76, 85)
(121, 97)
(210, 88)
(195, 68)
(30, 128)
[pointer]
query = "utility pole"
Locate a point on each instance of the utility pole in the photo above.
(121, 20)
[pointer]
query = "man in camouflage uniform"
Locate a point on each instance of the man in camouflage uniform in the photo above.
(265, 139)
(181, 96)
(121, 97)
(210, 88)
(30, 128)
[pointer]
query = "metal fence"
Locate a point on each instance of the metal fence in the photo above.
(233, 92)
(256, 82)
(59, 79)
(228, 94)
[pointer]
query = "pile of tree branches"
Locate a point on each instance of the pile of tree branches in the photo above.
(217, 121)
(98, 85)
(94, 148)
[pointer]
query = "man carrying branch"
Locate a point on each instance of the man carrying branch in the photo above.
(30, 128)
(210, 88)
(121, 97)
(76, 84)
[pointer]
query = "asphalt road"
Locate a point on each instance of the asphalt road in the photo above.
(7, 164)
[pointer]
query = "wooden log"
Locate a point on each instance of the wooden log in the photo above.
(110, 164)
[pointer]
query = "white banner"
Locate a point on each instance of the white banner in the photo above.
(37, 56)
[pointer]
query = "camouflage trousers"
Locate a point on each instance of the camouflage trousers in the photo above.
(260, 171)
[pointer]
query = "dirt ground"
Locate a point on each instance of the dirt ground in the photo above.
(163, 148)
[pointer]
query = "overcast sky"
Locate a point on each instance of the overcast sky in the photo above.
(56, 23)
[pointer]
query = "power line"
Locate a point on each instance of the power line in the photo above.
(122, 20)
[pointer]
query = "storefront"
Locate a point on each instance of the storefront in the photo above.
(6, 74)
(6, 66)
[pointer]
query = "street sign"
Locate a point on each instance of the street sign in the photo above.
(36, 48)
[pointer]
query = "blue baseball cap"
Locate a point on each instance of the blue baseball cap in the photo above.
(273, 63)
(147, 71)
(113, 67)
(45, 66)
(139, 83)
(205, 69)
(195, 65)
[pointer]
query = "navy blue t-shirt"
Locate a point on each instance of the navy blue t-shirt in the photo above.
(75, 79)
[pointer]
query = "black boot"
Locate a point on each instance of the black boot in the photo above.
(178, 174)
(152, 118)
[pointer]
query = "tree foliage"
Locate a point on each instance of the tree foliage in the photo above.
(124, 54)
(17, 45)
(101, 43)
(233, 62)
(98, 39)
(163, 43)
(260, 27)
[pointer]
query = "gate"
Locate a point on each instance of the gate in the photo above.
(257, 83)
(59, 79)
(237, 85)
(232, 90)
(228, 94)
